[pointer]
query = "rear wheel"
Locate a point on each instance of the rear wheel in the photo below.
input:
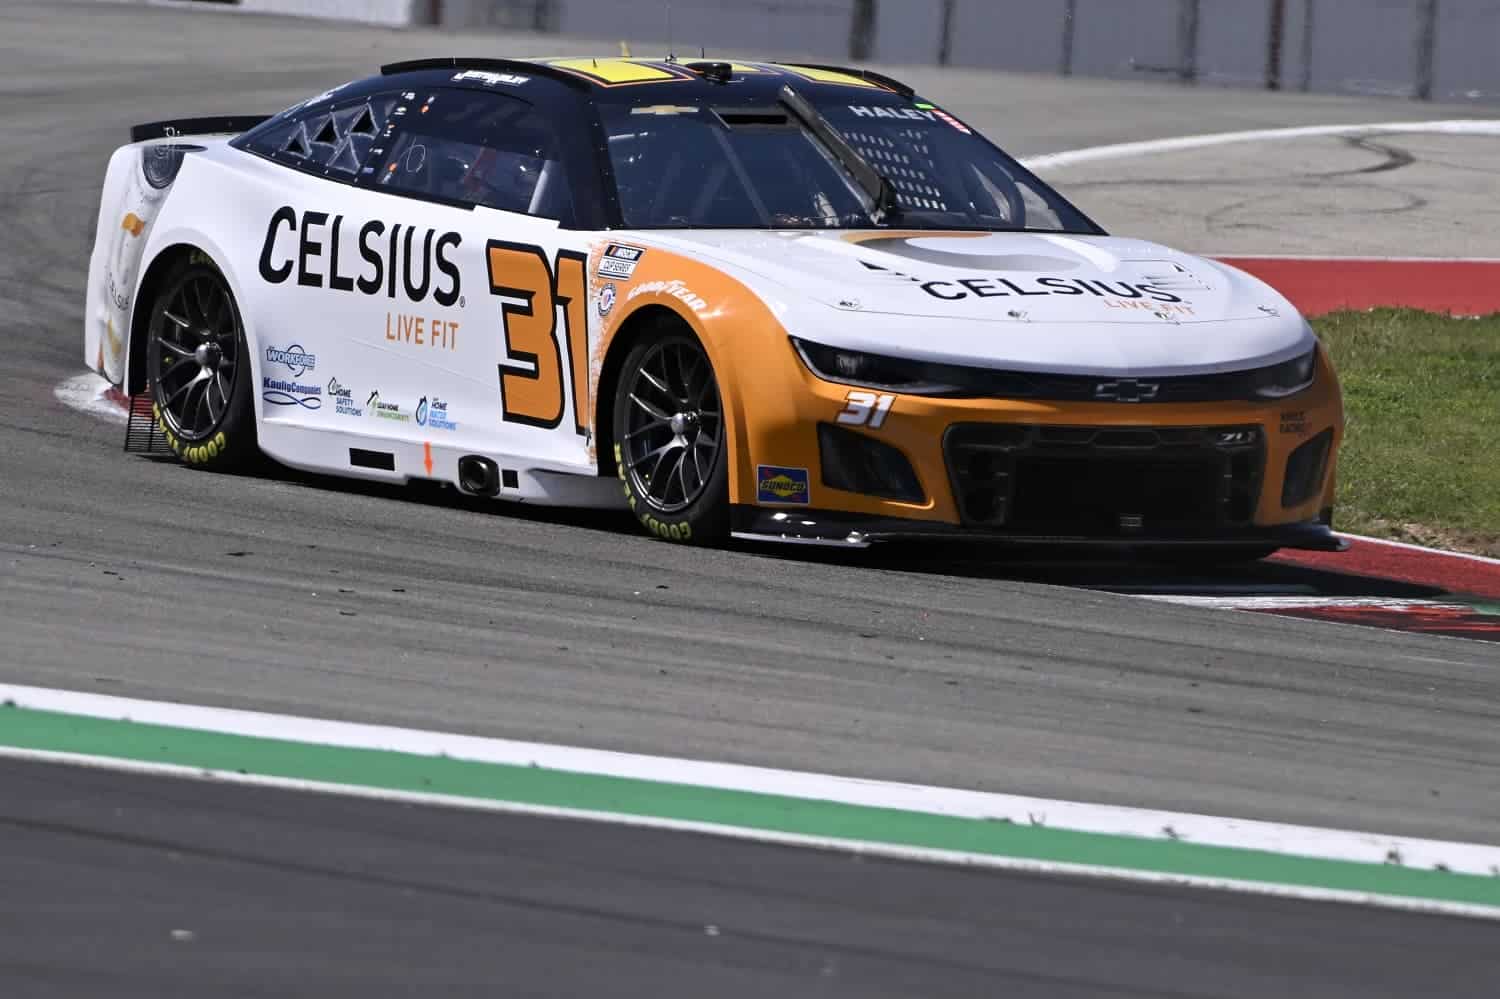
(670, 445)
(199, 369)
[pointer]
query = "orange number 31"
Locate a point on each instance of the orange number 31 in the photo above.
(531, 374)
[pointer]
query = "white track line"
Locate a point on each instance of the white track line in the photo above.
(1305, 841)
(1153, 147)
(1262, 602)
(1484, 559)
(863, 847)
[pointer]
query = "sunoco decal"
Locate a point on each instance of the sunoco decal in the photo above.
(777, 484)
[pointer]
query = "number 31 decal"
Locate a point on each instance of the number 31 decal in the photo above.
(531, 375)
(866, 409)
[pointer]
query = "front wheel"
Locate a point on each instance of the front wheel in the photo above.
(670, 445)
(199, 369)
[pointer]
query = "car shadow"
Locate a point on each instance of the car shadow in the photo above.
(1080, 567)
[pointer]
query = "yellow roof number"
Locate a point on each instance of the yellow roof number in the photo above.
(831, 76)
(616, 71)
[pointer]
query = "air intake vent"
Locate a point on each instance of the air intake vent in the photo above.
(326, 135)
(1167, 275)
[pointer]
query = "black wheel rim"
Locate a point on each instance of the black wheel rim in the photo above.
(195, 351)
(674, 427)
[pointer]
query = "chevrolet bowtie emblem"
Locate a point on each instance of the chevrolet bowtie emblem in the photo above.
(1126, 390)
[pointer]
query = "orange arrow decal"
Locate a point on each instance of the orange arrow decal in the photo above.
(427, 457)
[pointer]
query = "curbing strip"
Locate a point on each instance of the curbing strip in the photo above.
(771, 817)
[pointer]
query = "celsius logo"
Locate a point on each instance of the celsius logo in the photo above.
(412, 260)
(294, 357)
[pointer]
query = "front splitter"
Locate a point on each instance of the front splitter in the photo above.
(846, 530)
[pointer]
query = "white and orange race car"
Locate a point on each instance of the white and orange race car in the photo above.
(768, 301)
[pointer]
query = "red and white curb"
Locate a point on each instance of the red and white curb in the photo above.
(1450, 572)
(88, 393)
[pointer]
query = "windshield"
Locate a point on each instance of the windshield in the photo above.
(704, 166)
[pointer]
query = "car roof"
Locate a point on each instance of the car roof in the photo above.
(613, 78)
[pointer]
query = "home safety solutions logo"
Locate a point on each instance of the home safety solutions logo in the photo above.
(343, 399)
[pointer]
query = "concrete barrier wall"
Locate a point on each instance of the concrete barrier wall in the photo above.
(1443, 49)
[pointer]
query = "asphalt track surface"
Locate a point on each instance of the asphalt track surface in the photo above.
(133, 886)
(310, 596)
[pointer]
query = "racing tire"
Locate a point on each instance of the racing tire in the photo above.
(198, 369)
(670, 447)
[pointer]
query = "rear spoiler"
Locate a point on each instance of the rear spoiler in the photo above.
(224, 125)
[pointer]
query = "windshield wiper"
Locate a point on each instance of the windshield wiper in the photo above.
(875, 184)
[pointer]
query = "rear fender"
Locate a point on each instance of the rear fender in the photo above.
(136, 184)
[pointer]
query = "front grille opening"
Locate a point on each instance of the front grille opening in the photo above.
(1243, 487)
(1065, 495)
(859, 464)
(1105, 481)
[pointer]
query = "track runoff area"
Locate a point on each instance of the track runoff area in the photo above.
(1409, 588)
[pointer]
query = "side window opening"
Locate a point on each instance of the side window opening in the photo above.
(478, 148)
(330, 141)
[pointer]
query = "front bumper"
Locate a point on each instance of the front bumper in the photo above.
(1112, 473)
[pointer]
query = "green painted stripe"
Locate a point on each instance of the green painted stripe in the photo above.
(48, 731)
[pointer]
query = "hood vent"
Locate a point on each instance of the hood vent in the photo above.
(1168, 276)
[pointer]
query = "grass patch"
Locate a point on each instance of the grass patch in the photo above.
(1421, 460)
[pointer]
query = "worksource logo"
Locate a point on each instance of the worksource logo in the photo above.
(294, 357)
(776, 484)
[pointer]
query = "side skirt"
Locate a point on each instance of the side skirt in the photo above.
(386, 459)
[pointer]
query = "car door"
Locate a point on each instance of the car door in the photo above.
(484, 340)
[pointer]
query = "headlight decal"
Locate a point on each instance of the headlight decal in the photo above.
(912, 377)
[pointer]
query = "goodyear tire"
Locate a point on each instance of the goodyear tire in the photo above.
(670, 445)
(199, 368)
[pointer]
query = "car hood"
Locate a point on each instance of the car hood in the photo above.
(1035, 301)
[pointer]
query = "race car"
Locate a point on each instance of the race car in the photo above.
(784, 302)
